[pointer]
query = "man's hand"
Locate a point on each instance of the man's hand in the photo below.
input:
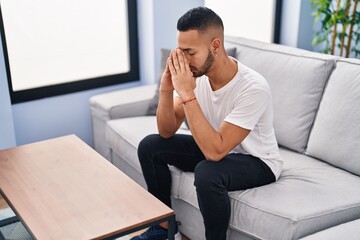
(169, 114)
(181, 75)
(166, 83)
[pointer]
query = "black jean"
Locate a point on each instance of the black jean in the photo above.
(213, 179)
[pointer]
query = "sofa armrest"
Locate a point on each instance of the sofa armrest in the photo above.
(123, 103)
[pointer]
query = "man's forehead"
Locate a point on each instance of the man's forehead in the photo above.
(189, 40)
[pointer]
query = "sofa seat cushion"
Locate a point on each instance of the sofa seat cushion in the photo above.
(124, 135)
(297, 79)
(348, 231)
(309, 196)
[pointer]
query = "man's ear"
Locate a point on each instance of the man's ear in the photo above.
(216, 43)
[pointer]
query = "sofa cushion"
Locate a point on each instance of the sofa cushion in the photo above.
(124, 135)
(348, 231)
(296, 78)
(335, 137)
(122, 103)
(309, 196)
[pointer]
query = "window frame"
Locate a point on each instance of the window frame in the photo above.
(82, 84)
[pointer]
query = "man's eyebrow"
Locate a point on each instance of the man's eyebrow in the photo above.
(186, 49)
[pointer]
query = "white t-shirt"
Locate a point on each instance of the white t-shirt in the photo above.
(246, 102)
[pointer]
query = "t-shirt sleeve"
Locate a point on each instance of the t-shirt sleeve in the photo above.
(248, 108)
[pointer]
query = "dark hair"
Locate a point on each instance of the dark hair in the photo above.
(200, 18)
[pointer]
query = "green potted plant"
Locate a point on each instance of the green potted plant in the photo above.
(339, 32)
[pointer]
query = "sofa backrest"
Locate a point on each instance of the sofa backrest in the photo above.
(335, 137)
(297, 79)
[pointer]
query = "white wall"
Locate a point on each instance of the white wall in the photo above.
(306, 23)
(146, 40)
(297, 24)
(290, 22)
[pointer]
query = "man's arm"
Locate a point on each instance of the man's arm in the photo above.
(169, 114)
(214, 144)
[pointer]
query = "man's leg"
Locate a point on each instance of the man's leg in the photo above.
(213, 180)
(155, 153)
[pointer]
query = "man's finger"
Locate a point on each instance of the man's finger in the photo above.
(175, 60)
(180, 55)
(171, 66)
(186, 62)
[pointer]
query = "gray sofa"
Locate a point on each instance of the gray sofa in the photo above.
(316, 100)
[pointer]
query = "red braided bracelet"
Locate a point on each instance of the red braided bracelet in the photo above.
(185, 102)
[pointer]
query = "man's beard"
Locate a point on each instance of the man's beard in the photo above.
(205, 67)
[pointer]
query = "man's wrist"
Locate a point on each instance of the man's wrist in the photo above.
(187, 101)
(166, 91)
(185, 97)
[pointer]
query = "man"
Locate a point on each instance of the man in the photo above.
(229, 112)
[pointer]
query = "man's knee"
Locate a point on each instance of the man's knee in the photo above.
(147, 146)
(206, 174)
(148, 143)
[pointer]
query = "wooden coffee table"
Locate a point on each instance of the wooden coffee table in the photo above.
(62, 189)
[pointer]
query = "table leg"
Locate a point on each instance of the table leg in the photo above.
(171, 229)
